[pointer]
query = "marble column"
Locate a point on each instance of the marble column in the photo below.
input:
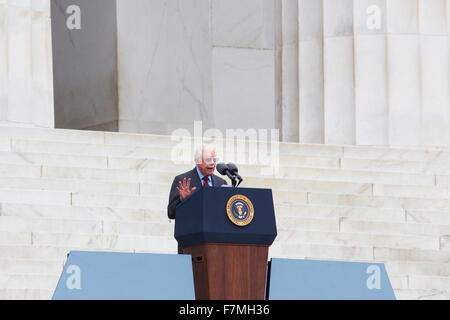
(244, 64)
(26, 79)
(371, 73)
(287, 71)
(404, 73)
(434, 72)
(339, 100)
(310, 71)
(165, 65)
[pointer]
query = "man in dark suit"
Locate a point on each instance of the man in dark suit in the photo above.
(184, 185)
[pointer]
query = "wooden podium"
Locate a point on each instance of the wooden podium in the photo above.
(227, 231)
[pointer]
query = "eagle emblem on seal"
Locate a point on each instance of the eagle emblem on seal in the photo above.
(240, 210)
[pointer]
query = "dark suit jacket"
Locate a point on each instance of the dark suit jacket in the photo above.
(174, 197)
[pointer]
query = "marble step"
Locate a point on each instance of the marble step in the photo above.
(125, 139)
(83, 213)
(398, 282)
(33, 253)
(67, 198)
(160, 215)
(45, 197)
(320, 176)
(312, 224)
(21, 225)
(246, 167)
(142, 157)
(428, 167)
(431, 217)
(282, 185)
(30, 266)
(379, 201)
(130, 180)
(50, 159)
(29, 281)
(137, 140)
(20, 171)
(410, 255)
(58, 135)
(294, 236)
(299, 173)
(53, 252)
(14, 238)
(385, 228)
(154, 202)
(429, 283)
(35, 197)
(396, 154)
(45, 236)
(439, 192)
(443, 181)
(110, 242)
(108, 188)
(5, 144)
(321, 252)
(422, 294)
(373, 152)
(89, 186)
(418, 268)
(119, 201)
(31, 231)
(352, 213)
(26, 294)
(302, 185)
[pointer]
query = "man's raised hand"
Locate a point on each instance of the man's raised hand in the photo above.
(184, 189)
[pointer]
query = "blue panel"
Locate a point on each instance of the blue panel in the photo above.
(125, 276)
(328, 280)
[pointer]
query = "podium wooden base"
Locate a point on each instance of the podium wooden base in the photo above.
(229, 271)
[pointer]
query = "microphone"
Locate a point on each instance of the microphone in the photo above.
(235, 172)
(223, 169)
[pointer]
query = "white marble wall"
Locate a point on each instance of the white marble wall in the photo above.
(371, 86)
(339, 104)
(382, 75)
(364, 72)
(287, 69)
(434, 71)
(165, 65)
(310, 68)
(85, 65)
(182, 61)
(243, 46)
(26, 80)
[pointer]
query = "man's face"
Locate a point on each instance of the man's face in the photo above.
(208, 164)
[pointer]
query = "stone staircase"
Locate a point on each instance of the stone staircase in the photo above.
(63, 190)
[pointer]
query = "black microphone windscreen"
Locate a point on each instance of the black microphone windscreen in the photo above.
(222, 168)
(233, 168)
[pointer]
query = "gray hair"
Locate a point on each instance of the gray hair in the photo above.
(201, 150)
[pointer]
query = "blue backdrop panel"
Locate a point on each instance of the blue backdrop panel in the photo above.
(328, 280)
(125, 276)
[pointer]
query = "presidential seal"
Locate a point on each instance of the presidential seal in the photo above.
(240, 210)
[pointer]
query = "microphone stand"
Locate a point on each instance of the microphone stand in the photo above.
(233, 181)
